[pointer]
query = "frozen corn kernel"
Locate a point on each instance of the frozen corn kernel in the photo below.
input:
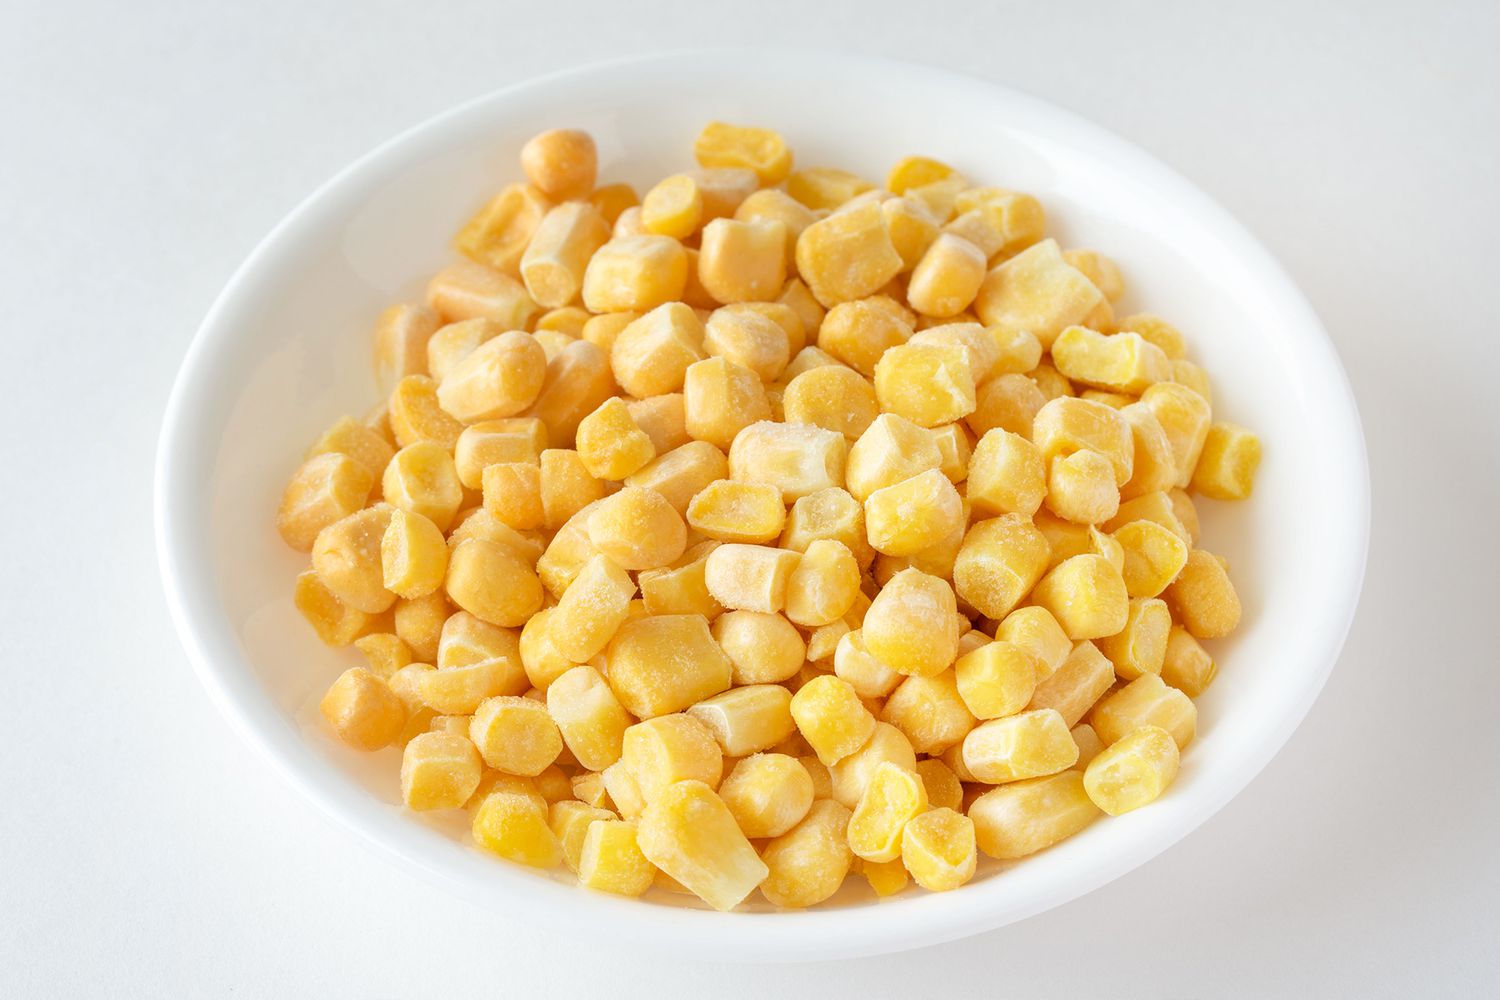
(833, 397)
(1157, 331)
(651, 355)
(500, 378)
(681, 589)
(690, 834)
(720, 399)
(1184, 372)
(456, 341)
(858, 333)
(767, 794)
(637, 529)
(825, 187)
(1087, 596)
(1009, 402)
(914, 515)
(346, 559)
(515, 735)
(1000, 561)
(401, 335)
(674, 207)
(491, 442)
(912, 227)
(822, 642)
(832, 719)
(798, 459)
(635, 274)
(891, 450)
(670, 748)
(887, 878)
(955, 448)
(595, 604)
(761, 150)
(623, 790)
(458, 690)
(1012, 219)
(929, 711)
(588, 788)
(421, 478)
(566, 320)
(847, 256)
(665, 663)
(578, 380)
(723, 189)
(742, 261)
(771, 205)
(499, 233)
(750, 338)
(1074, 687)
(1186, 665)
(469, 290)
(1157, 508)
(1203, 599)
(560, 246)
(567, 552)
(1114, 400)
(853, 663)
(1026, 745)
(1153, 557)
(1141, 646)
(663, 418)
(731, 511)
(514, 826)
(748, 719)
(1185, 416)
(997, 679)
(893, 797)
(682, 473)
(1066, 426)
(822, 587)
(492, 584)
(886, 745)
(610, 444)
(1006, 475)
(928, 384)
(1024, 817)
(466, 640)
(1036, 631)
(831, 514)
(610, 859)
(570, 822)
(1118, 362)
(413, 555)
(938, 849)
(385, 652)
(1226, 467)
(419, 623)
(944, 790)
(439, 771)
(981, 347)
(914, 171)
(363, 710)
(908, 625)
(1081, 488)
(628, 223)
(363, 444)
(1037, 290)
(807, 864)
(1089, 745)
(416, 416)
(1145, 701)
(324, 489)
(589, 716)
(513, 494)
(1100, 270)
(750, 577)
(948, 276)
(1133, 771)
(562, 163)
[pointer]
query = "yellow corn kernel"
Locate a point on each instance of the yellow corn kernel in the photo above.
(955, 449)
(346, 559)
(928, 384)
(663, 418)
(1153, 557)
(682, 473)
(1185, 416)
(997, 679)
(761, 150)
(623, 791)
(611, 861)
(982, 348)
(674, 207)
(421, 478)
(1226, 467)
(723, 189)
(1119, 362)
(912, 227)
(929, 711)
(1100, 270)
(720, 399)
(1009, 402)
(1027, 745)
(938, 849)
(363, 710)
(914, 514)
(401, 335)
(568, 320)
(360, 443)
(944, 790)
(1186, 665)
(832, 719)
(413, 555)
(628, 223)
(1113, 400)
(773, 205)
(458, 690)
(553, 342)
(1050, 382)
(750, 337)
(1074, 687)
(469, 290)
(1016, 220)
(513, 494)
(588, 788)
(456, 341)
(849, 255)
(514, 825)
(892, 450)
(1133, 771)
(515, 735)
(823, 641)
(1141, 646)
(480, 523)
(831, 514)
(568, 551)
(419, 623)
(852, 662)
(406, 685)
(1036, 631)
(498, 235)
(1037, 290)
(637, 529)
(1157, 331)
(833, 397)
(767, 794)
(731, 511)
(859, 333)
(807, 864)
(554, 261)
(1184, 372)
(385, 652)
(635, 274)
(610, 444)
(416, 415)
(665, 663)
(849, 777)
(1081, 488)
(823, 586)
(1066, 426)
(500, 378)
(887, 878)
(439, 771)
(1157, 508)
(748, 719)
(681, 589)
(907, 626)
(1000, 561)
(1089, 745)
(825, 187)
(562, 163)
(1024, 817)
(1006, 474)
(947, 278)
(589, 716)
(1145, 701)
(324, 489)
(798, 459)
(651, 355)
(743, 261)
(492, 584)
(668, 749)
(914, 171)
(1087, 596)
(491, 442)
(466, 640)
(750, 577)
(690, 834)
(569, 822)
(595, 604)
(1203, 599)
(893, 797)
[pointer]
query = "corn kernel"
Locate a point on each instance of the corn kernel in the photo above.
(363, 710)
(1185, 417)
(938, 849)
(743, 261)
(720, 399)
(850, 776)
(469, 290)
(628, 223)
(750, 577)
(1141, 646)
(663, 418)
(566, 320)
(798, 459)
(413, 555)
(732, 511)
(1087, 596)
(1067, 426)
(385, 652)
(610, 444)
(1133, 771)
(832, 397)
(749, 338)
(1036, 631)
(1074, 687)
(1186, 664)
(947, 278)
(823, 586)
(1016, 219)
(1027, 745)
(674, 207)
(491, 442)
(853, 663)
(1037, 290)
(324, 489)
(360, 443)
(555, 259)
(637, 529)
(419, 623)
(848, 255)
(1227, 464)
(611, 861)
(858, 333)
(561, 162)
(578, 380)
(690, 834)
(1153, 557)
(1157, 508)
(1153, 465)
(833, 514)
(681, 589)
(807, 864)
(492, 584)
(829, 715)
(593, 607)
(651, 355)
(664, 663)
(456, 341)
(682, 473)
(930, 712)
(1000, 561)
(825, 187)
(514, 825)
(1145, 701)
(1009, 401)
(668, 749)
(346, 559)
(1081, 488)
(767, 794)
(589, 716)
(458, 689)
(635, 274)
(513, 494)
(1024, 817)
(890, 451)
(997, 679)
(928, 384)
(748, 719)
(515, 735)
(907, 626)
(401, 335)
(1006, 475)
(623, 791)
(499, 378)
(588, 788)
(500, 232)
(1089, 745)
(422, 479)
(914, 514)
(439, 771)
(1120, 362)
(569, 822)
(723, 189)
(1156, 331)
(761, 150)
(417, 416)
(1186, 373)
(944, 790)
(1100, 270)
(893, 797)
(1203, 599)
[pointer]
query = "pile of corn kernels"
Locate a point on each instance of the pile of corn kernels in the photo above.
(769, 528)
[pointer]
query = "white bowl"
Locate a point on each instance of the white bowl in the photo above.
(284, 352)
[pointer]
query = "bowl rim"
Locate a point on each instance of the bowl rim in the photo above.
(782, 936)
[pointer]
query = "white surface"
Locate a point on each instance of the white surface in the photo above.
(273, 366)
(147, 852)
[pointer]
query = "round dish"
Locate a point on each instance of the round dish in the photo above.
(270, 367)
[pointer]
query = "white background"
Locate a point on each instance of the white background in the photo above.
(146, 147)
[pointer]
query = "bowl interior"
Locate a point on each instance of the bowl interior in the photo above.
(286, 351)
